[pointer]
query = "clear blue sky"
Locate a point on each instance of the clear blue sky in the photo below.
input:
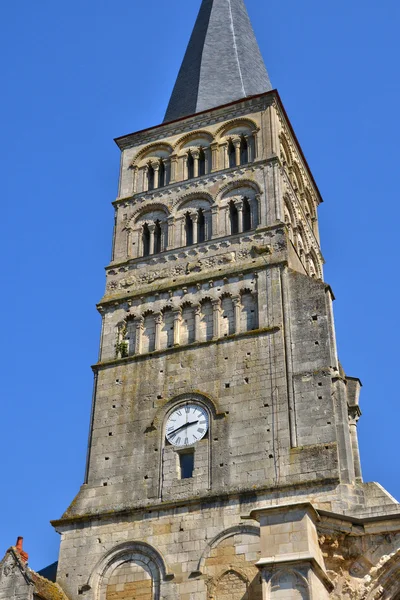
(77, 74)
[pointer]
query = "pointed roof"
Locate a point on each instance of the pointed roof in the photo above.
(19, 577)
(223, 62)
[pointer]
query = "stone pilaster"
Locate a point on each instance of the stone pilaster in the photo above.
(291, 559)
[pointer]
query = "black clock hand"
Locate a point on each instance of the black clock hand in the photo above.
(183, 427)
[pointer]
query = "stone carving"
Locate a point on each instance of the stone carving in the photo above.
(184, 268)
(8, 569)
(211, 262)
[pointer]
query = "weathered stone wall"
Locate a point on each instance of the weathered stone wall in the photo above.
(13, 584)
(214, 295)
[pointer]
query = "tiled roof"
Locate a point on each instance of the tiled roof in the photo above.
(223, 62)
(45, 589)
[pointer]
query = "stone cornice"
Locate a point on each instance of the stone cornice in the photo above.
(191, 279)
(192, 185)
(138, 357)
(217, 240)
(172, 505)
(200, 120)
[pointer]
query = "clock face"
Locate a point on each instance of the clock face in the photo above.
(187, 425)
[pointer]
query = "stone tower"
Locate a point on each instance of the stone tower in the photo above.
(223, 459)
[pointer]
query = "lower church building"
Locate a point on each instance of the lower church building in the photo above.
(223, 458)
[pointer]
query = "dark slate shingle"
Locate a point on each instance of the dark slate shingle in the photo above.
(223, 62)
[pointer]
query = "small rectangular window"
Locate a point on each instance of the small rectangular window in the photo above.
(186, 463)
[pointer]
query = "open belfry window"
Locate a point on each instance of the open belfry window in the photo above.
(186, 464)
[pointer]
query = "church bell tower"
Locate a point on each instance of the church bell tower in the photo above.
(223, 460)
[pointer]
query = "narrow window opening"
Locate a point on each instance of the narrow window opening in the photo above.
(150, 175)
(202, 162)
(189, 229)
(157, 238)
(246, 215)
(201, 234)
(161, 175)
(190, 165)
(146, 240)
(186, 463)
(244, 151)
(233, 216)
(231, 154)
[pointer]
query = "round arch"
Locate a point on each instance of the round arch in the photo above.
(133, 551)
(239, 183)
(186, 198)
(227, 128)
(193, 135)
(223, 535)
(148, 208)
(149, 150)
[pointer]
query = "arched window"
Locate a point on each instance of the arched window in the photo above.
(201, 233)
(244, 151)
(161, 175)
(231, 154)
(189, 229)
(190, 165)
(146, 240)
(157, 237)
(246, 215)
(233, 217)
(150, 176)
(202, 162)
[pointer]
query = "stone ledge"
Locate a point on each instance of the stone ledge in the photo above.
(136, 357)
(190, 183)
(296, 559)
(188, 502)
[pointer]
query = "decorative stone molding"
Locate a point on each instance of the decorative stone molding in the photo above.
(128, 551)
(193, 135)
(245, 122)
(223, 535)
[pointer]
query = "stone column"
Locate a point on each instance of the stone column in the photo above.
(195, 219)
(152, 228)
(174, 168)
(134, 179)
(164, 235)
(256, 211)
(177, 326)
(291, 559)
(195, 155)
(167, 176)
(171, 226)
(207, 224)
(236, 143)
(237, 305)
(225, 158)
(354, 416)
(214, 222)
(145, 181)
(138, 337)
(249, 140)
(255, 138)
(239, 208)
(156, 168)
(158, 324)
(197, 319)
(214, 157)
(216, 304)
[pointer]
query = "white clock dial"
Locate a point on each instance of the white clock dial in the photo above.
(187, 425)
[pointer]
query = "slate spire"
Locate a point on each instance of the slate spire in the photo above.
(222, 63)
